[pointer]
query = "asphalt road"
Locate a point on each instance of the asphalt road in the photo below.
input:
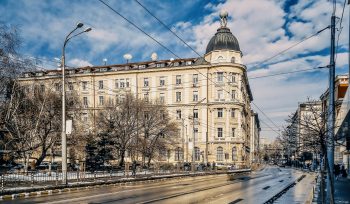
(256, 187)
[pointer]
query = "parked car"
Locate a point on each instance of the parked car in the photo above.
(220, 166)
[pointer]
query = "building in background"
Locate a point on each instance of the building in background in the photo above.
(221, 126)
(341, 151)
(255, 138)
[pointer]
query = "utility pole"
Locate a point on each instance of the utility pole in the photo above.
(331, 116)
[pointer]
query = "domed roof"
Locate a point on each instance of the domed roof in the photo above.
(223, 40)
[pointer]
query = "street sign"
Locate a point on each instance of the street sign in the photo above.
(68, 127)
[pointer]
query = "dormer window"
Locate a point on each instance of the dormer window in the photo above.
(188, 62)
(233, 60)
(39, 74)
(142, 66)
(176, 64)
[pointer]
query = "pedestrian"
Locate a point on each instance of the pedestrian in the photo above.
(134, 168)
(213, 165)
(336, 171)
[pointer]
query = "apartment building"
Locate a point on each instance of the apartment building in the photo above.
(209, 96)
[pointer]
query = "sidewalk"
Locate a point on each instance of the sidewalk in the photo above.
(342, 190)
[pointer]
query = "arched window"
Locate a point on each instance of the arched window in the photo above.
(234, 154)
(219, 154)
(220, 58)
(233, 60)
(178, 154)
(197, 154)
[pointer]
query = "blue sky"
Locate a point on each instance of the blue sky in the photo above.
(262, 27)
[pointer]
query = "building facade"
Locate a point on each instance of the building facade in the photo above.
(209, 96)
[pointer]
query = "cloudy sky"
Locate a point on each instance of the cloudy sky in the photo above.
(262, 27)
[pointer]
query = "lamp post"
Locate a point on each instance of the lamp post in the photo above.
(63, 135)
(194, 142)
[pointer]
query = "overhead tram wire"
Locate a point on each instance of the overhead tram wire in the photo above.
(340, 30)
(177, 36)
(281, 52)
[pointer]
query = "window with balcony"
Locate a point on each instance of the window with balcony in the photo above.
(178, 79)
(100, 85)
(145, 82)
(178, 114)
(220, 77)
(195, 96)
(178, 96)
(219, 154)
(220, 133)
(220, 112)
(101, 100)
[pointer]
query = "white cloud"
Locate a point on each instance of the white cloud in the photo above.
(79, 63)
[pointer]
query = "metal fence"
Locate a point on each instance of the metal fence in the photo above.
(11, 181)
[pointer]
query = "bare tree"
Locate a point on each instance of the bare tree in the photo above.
(159, 132)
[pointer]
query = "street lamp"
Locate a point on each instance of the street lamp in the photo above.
(64, 137)
(194, 146)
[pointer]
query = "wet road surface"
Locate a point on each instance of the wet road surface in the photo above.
(256, 187)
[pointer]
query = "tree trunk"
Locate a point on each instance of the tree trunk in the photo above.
(122, 154)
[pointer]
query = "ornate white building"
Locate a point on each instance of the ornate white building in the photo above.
(209, 96)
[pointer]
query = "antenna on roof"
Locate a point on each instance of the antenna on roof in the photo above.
(127, 57)
(104, 61)
(154, 56)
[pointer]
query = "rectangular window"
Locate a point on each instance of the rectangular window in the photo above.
(220, 132)
(162, 81)
(127, 83)
(84, 85)
(233, 78)
(100, 84)
(220, 77)
(233, 130)
(195, 78)
(101, 100)
(57, 87)
(195, 95)
(232, 112)
(195, 113)
(122, 83)
(178, 96)
(85, 101)
(233, 95)
(220, 94)
(220, 112)
(162, 97)
(178, 79)
(195, 134)
(145, 82)
(85, 117)
(70, 86)
(117, 83)
(146, 97)
(42, 88)
(178, 114)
